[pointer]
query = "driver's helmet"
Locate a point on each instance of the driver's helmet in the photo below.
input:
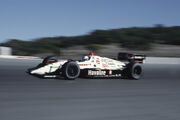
(84, 58)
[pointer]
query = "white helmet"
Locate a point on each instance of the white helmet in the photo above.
(85, 58)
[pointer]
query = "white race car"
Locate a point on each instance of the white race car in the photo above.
(127, 66)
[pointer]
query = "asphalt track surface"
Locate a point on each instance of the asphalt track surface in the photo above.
(23, 97)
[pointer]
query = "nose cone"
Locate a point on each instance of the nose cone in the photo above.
(29, 71)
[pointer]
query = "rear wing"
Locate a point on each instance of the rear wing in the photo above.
(137, 58)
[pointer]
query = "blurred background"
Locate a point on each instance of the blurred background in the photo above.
(30, 29)
(70, 28)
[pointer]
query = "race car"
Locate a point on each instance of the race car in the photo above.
(91, 66)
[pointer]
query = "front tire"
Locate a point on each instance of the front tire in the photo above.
(71, 70)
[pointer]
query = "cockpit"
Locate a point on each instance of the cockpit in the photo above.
(85, 58)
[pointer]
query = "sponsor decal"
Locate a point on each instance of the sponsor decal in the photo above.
(139, 57)
(97, 61)
(111, 63)
(84, 64)
(50, 76)
(110, 72)
(104, 65)
(91, 72)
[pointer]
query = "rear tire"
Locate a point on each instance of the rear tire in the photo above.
(133, 71)
(71, 70)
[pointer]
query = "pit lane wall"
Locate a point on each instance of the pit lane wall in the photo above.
(162, 60)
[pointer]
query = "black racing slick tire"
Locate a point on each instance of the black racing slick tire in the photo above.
(71, 70)
(135, 71)
(132, 71)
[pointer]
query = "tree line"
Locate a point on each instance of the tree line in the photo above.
(135, 38)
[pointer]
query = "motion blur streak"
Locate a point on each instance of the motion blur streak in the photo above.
(155, 97)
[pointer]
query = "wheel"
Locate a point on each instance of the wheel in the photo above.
(49, 59)
(132, 71)
(71, 70)
(135, 71)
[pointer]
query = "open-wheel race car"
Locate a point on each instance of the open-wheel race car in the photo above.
(92, 66)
